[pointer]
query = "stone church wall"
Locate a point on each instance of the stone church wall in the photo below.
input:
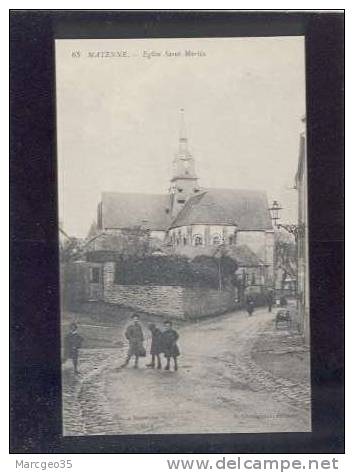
(166, 301)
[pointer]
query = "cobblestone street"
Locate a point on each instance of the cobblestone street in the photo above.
(237, 374)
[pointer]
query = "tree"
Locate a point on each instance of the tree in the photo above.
(285, 256)
(71, 249)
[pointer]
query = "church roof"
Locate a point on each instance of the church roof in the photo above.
(244, 208)
(126, 210)
(247, 209)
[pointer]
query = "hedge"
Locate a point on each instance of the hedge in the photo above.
(202, 271)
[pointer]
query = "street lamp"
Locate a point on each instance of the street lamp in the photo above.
(274, 212)
(296, 230)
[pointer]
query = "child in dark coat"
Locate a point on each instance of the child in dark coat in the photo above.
(72, 344)
(169, 344)
(156, 346)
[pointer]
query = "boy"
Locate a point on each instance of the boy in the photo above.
(169, 344)
(72, 343)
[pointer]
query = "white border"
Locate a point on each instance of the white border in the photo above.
(94, 463)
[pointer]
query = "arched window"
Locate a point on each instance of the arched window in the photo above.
(217, 239)
(184, 240)
(197, 240)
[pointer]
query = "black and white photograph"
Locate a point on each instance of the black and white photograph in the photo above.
(182, 193)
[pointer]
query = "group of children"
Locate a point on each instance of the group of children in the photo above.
(162, 342)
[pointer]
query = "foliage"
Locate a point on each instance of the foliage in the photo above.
(285, 255)
(71, 250)
(203, 271)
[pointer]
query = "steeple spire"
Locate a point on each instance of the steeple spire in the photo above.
(182, 128)
(183, 140)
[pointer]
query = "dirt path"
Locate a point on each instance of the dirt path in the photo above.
(217, 389)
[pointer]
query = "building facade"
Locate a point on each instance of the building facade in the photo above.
(303, 291)
(191, 215)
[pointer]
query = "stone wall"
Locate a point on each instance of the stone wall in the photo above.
(159, 300)
(201, 302)
(167, 301)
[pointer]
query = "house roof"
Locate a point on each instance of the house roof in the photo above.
(245, 208)
(244, 256)
(126, 210)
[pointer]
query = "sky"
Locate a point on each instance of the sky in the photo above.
(118, 117)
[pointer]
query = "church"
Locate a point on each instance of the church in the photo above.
(191, 219)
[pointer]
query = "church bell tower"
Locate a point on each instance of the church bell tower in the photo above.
(184, 182)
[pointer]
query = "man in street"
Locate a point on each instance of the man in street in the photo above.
(250, 306)
(72, 344)
(169, 345)
(134, 335)
(270, 301)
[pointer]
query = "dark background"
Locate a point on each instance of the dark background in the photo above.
(35, 378)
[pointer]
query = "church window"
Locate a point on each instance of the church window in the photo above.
(184, 241)
(253, 279)
(197, 240)
(231, 240)
(217, 239)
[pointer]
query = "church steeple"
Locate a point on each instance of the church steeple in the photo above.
(184, 180)
(183, 164)
(183, 140)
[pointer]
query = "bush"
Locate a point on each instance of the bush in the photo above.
(203, 271)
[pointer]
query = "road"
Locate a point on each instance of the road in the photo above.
(218, 388)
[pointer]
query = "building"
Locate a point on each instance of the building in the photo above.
(191, 216)
(303, 293)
